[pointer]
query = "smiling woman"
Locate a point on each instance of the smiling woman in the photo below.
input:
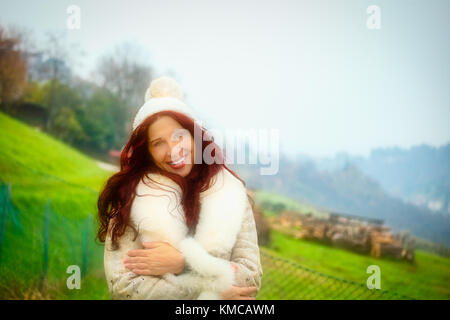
(174, 228)
(171, 146)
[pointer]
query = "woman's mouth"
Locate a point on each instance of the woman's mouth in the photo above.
(180, 163)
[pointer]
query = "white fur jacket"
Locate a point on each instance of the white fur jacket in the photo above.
(225, 233)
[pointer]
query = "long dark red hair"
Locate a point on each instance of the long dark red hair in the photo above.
(115, 200)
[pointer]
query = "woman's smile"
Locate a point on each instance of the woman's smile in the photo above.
(178, 164)
(171, 146)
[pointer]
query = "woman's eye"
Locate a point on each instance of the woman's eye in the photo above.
(180, 135)
(176, 138)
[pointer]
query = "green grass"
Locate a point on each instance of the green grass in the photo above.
(427, 278)
(264, 196)
(41, 169)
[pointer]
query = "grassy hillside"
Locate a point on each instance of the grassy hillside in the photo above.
(271, 200)
(54, 190)
(427, 278)
(50, 182)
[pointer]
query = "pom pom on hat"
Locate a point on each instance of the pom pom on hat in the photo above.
(164, 87)
(163, 94)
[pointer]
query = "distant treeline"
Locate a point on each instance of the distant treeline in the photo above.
(439, 249)
(39, 87)
(349, 190)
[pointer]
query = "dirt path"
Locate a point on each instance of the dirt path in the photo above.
(107, 166)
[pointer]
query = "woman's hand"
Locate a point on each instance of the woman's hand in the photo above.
(239, 293)
(156, 259)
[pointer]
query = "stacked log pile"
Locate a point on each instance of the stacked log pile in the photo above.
(354, 233)
(262, 226)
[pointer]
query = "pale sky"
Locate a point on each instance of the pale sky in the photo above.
(311, 69)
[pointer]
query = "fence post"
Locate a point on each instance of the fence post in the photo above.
(46, 238)
(85, 246)
(70, 239)
(6, 190)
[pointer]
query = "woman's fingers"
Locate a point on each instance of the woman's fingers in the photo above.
(136, 266)
(245, 298)
(153, 244)
(138, 253)
(141, 272)
(247, 291)
(135, 260)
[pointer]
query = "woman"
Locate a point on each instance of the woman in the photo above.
(175, 229)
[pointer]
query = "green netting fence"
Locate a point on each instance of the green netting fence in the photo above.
(286, 280)
(59, 241)
(39, 245)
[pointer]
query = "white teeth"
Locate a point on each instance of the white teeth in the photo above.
(177, 162)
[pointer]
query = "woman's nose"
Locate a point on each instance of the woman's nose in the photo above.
(175, 149)
(173, 145)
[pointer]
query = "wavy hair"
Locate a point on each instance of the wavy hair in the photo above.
(116, 198)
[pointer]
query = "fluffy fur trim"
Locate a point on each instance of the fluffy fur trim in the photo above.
(159, 217)
(221, 215)
(218, 272)
(156, 211)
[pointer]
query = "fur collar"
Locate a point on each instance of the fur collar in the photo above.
(221, 215)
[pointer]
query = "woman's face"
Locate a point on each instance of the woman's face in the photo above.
(171, 146)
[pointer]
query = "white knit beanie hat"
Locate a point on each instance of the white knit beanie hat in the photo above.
(163, 94)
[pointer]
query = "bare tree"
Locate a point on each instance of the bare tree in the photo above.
(52, 63)
(126, 73)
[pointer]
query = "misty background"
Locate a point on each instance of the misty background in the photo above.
(362, 114)
(309, 68)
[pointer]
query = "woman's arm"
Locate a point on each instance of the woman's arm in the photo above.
(159, 258)
(156, 259)
(129, 286)
(246, 255)
(155, 217)
(208, 254)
